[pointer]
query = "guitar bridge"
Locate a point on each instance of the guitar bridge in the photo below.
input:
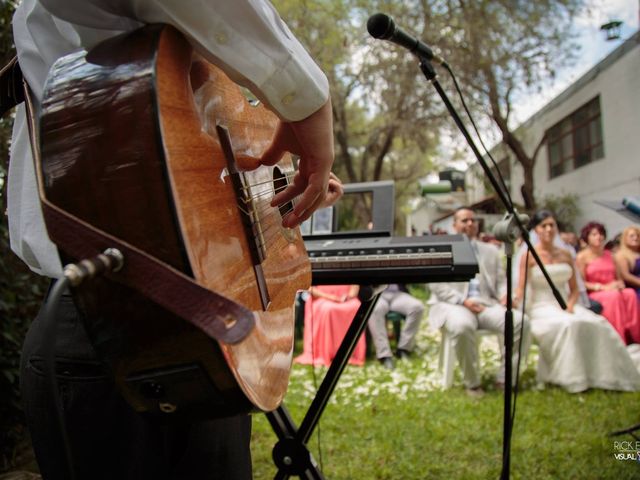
(249, 214)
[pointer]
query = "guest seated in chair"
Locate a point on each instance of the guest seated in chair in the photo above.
(395, 298)
(604, 284)
(328, 313)
(628, 258)
(462, 308)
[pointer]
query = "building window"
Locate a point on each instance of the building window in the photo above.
(576, 140)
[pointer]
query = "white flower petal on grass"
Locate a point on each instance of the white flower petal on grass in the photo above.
(358, 387)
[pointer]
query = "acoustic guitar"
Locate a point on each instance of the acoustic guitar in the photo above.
(143, 139)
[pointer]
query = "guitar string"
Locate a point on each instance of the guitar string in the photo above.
(251, 199)
(270, 233)
(262, 209)
(268, 224)
(266, 208)
(270, 227)
(264, 205)
(286, 176)
(267, 233)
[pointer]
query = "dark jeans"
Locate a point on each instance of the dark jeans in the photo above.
(108, 439)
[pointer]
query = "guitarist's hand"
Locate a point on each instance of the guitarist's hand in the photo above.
(312, 140)
(334, 192)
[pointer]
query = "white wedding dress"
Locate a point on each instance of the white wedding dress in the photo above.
(579, 350)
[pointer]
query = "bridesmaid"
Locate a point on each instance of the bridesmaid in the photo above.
(328, 313)
(628, 258)
(604, 284)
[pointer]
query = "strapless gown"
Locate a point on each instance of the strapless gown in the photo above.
(620, 307)
(325, 325)
(578, 350)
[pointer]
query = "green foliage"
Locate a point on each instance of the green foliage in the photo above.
(385, 121)
(20, 290)
(420, 291)
(565, 207)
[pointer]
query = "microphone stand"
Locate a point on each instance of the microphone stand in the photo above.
(508, 374)
(515, 222)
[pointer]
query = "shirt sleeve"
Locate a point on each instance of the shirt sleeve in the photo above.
(246, 38)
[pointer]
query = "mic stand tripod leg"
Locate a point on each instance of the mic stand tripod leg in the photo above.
(630, 430)
(508, 367)
(290, 454)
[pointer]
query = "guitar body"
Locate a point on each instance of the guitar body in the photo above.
(129, 144)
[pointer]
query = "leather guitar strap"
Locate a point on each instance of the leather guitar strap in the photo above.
(216, 315)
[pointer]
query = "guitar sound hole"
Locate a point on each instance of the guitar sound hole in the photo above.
(280, 182)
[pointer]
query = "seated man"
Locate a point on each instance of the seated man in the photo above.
(394, 298)
(462, 308)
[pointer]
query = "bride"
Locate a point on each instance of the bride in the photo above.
(578, 349)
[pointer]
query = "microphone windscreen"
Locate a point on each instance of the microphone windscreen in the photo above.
(380, 25)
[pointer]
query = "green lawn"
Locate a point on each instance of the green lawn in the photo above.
(401, 425)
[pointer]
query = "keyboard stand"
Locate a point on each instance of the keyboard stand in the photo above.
(290, 454)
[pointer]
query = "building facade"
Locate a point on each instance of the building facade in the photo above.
(591, 143)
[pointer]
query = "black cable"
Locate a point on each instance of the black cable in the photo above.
(74, 274)
(475, 128)
(49, 351)
(315, 380)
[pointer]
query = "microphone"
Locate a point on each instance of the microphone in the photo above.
(383, 27)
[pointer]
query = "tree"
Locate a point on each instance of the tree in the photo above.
(565, 208)
(386, 126)
(504, 49)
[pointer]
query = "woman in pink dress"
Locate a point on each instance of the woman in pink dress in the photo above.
(328, 313)
(604, 284)
(628, 258)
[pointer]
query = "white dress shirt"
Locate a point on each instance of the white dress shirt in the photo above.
(246, 38)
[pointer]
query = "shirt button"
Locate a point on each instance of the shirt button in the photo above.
(287, 99)
(221, 37)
